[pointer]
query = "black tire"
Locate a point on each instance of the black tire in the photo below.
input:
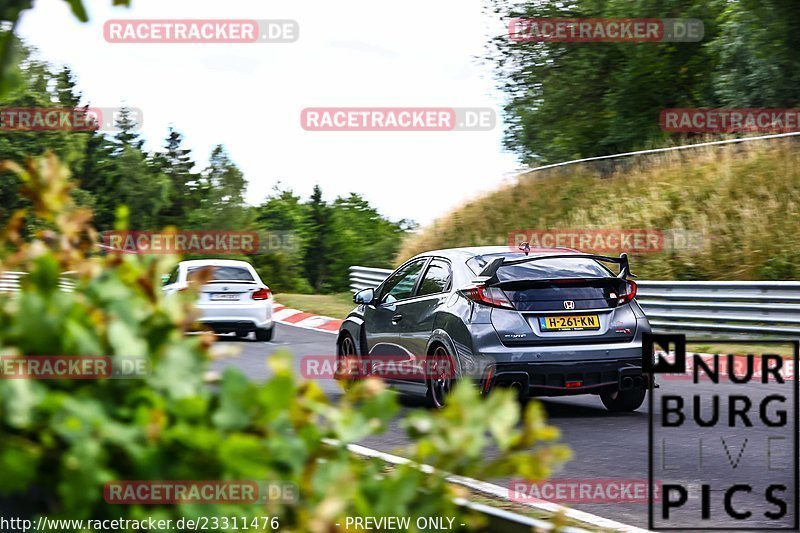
(346, 348)
(441, 379)
(618, 401)
(265, 335)
(242, 334)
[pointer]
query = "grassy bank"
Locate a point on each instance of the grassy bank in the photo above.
(743, 199)
(332, 305)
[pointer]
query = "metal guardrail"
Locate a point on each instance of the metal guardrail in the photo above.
(9, 281)
(366, 277)
(528, 170)
(729, 308)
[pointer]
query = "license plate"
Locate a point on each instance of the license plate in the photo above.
(569, 323)
(223, 296)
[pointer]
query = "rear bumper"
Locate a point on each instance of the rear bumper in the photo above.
(219, 326)
(559, 370)
(568, 378)
(236, 317)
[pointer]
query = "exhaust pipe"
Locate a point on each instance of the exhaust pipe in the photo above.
(638, 382)
(516, 381)
(626, 383)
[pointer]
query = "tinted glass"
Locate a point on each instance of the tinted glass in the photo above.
(401, 284)
(542, 269)
(436, 279)
(223, 273)
(550, 295)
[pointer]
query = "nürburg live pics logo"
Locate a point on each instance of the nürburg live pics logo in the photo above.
(723, 434)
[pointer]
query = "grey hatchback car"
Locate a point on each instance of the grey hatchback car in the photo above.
(547, 322)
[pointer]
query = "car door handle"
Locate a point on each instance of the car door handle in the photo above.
(396, 319)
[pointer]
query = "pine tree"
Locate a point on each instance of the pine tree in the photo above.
(176, 163)
(318, 230)
(127, 125)
(221, 192)
(66, 91)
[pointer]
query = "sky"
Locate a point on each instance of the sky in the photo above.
(249, 97)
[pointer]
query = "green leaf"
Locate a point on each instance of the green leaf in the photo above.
(78, 10)
(19, 461)
(237, 400)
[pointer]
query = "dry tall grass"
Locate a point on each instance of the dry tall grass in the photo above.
(744, 198)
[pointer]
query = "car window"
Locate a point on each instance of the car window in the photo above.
(542, 269)
(222, 273)
(437, 278)
(173, 277)
(401, 284)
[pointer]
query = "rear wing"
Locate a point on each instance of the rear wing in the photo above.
(488, 275)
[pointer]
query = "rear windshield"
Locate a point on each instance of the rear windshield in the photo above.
(222, 273)
(542, 269)
(591, 293)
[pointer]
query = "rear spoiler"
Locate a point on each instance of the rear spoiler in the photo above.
(489, 273)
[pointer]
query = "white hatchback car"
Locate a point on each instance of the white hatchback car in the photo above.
(234, 300)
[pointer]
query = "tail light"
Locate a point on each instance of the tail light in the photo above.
(488, 296)
(488, 381)
(261, 294)
(630, 294)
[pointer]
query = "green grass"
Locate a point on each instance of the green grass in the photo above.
(332, 305)
(744, 199)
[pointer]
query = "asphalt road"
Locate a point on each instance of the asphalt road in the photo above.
(608, 446)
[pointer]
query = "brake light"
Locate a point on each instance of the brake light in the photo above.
(630, 294)
(488, 379)
(261, 294)
(488, 296)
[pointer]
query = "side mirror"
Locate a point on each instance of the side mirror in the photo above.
(164, 279)
(364, 297)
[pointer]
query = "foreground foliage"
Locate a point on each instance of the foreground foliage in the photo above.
(62, 441)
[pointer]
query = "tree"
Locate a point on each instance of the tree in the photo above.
(10, 11)
(96, 175)
(317, 230)
(360, 236)
(66, 91)
(758, 54)
(176, 163)
(283, 213)
(571, 100)
(221, 190)
(127, 126)
(38, 86)
(141, 186)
